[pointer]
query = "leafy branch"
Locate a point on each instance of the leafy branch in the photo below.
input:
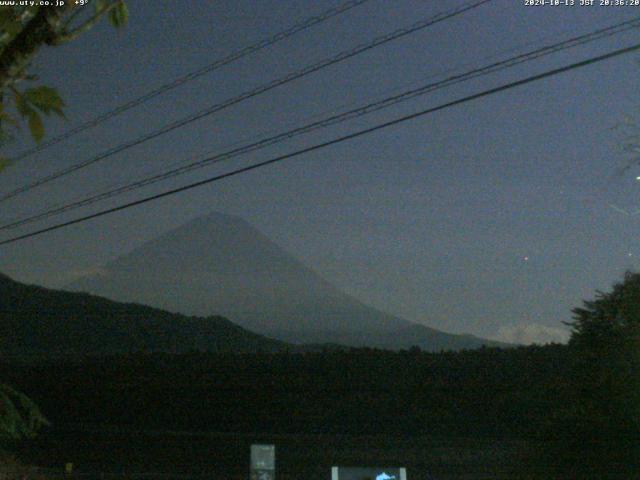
(20, 417)
(25, 29)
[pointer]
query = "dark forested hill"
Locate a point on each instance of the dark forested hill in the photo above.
(38, 321)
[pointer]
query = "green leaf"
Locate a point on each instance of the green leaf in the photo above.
(119, 15)
(46, 99)
(22, 105)
(5, 117)
(12, 27)
(100, 5)
(4, 163)
(6, 15)
(36, 126)
(19, 416)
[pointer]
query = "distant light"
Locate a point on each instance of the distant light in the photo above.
(630, 254)
(526, 259)
(638, 179)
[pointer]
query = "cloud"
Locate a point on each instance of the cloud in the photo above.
(527, 334)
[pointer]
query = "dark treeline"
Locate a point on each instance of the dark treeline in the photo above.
(576, 407)
(485, 392)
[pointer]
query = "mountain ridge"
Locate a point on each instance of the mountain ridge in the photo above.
(37, 321)
(220, 264)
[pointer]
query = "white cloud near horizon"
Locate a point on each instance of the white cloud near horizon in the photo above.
(528, 334)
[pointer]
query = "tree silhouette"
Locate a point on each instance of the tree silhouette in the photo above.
(596, 433)
(606, 340)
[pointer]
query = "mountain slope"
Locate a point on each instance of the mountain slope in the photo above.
(220, 264)
(39, 321)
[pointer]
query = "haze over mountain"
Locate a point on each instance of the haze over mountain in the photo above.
(219, 264)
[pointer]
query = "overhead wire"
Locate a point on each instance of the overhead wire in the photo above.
(338, 118)
(344, 55)
(344, 138)
(243, 52)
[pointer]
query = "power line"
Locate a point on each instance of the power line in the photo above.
(351, 136)
(250, 94)
(339, 118)
(272, 40)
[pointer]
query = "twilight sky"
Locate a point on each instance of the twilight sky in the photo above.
(491, 218)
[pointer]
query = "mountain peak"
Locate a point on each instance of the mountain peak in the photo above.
(220, 264)
(217, 218)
